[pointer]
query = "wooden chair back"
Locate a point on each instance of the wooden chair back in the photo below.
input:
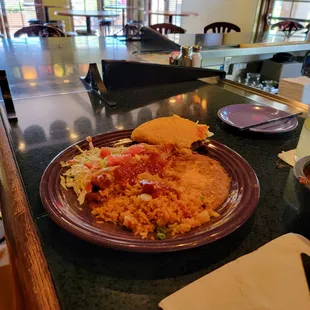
(39, 31)
(221, 27)
(287, 26)
(167, 28)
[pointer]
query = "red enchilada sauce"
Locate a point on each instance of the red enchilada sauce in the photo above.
(149, 162)
(134, 161)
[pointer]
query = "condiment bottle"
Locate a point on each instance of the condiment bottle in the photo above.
(185, 58)
(196, 57)
(173, 58)
(303, 147)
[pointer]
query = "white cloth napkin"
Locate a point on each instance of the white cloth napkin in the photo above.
(271, 278)
(288, 157)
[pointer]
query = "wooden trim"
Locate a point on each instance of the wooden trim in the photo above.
(2, 27)
(33, 281)
(5, 19)
(39, 11)
(261, 24)
(262, 15)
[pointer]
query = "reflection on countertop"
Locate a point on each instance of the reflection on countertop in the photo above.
(46, 66)
(40, 67)
(68, 118)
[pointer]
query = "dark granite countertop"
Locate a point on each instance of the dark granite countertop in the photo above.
(90, 277)
(54, 111)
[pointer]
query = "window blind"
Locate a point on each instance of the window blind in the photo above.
(292, 9)
(17, 14)
(163, 5)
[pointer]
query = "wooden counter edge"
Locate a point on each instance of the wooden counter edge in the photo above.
(34, 286)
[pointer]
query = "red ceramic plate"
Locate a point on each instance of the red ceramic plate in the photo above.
(64, 209)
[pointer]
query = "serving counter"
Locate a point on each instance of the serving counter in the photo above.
(52, 268)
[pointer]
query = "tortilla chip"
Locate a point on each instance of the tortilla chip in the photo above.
(174, 130)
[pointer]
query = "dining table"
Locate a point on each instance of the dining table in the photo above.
(123, 8)
(46, 7)
(171, 14)
(87, 14)
(54, 269)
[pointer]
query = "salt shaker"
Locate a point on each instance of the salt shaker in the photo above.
(196, 56)
(185, 58)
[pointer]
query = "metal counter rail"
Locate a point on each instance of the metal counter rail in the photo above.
(264, 97)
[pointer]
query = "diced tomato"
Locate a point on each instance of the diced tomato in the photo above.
(155, 189)
(89, 164)
(88, 187)
(148, 187)
(113, 160)
(104, 152)
(117, 160)
(71, 162)
(133, 150)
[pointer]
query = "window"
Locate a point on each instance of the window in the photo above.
(165, 5)
(17, 14)
(117, 22)
(79, 22)
(298, 10)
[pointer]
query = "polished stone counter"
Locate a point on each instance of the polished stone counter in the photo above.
(89, 277)
(46, 66)
(54, 111)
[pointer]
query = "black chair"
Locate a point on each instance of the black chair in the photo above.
(166, 28)
(104, 26)
(60, 24)
(34, 21)
(39, 31)
(287, 26)
(221, 27)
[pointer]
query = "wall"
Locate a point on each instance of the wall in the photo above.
(61, 3)
(239, 12)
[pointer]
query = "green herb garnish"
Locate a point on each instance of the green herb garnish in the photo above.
(161, 232)
(161, 236)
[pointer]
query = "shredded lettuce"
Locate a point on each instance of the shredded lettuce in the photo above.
(83, 167)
